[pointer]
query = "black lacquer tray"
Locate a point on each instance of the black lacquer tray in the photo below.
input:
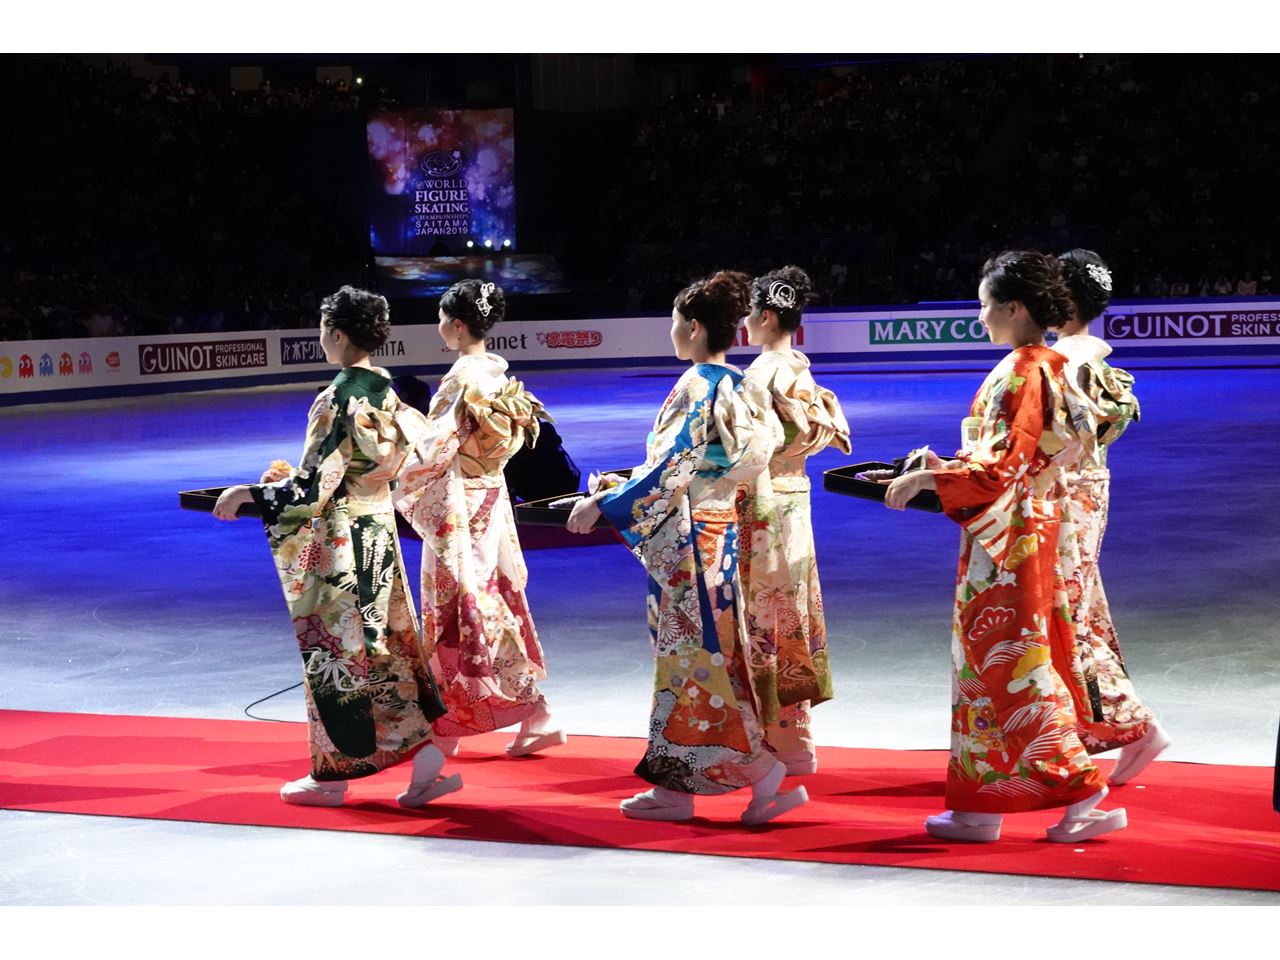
(554, 511)
(845, 481)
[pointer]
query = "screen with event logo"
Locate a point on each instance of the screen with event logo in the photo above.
(441, 179)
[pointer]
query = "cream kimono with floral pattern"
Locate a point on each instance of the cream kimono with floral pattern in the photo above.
(677, 513)
(332, 529)
(1117, 715)
(778, 565)
(476, 625)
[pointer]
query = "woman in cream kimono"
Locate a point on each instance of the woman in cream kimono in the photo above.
(778, 565)
(477, 629)
(370, 694)
(1116, 716)
(1016, 702)
(677, 514)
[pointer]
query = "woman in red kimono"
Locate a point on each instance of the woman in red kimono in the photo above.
(1015, 702)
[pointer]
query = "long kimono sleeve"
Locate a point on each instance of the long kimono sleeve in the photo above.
(434, 454)
(639, 507)
(708, 430)
(294, 501)
(989, 494)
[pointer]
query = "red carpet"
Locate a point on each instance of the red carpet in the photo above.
(867, 806)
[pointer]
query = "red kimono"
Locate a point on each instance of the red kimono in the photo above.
(1015, 697)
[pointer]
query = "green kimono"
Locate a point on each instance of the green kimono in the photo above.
(332, 530)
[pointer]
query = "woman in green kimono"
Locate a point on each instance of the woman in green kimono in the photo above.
(678, 515)
(331, 526)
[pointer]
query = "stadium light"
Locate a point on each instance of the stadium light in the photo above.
(489, 244)
(359, 80)
(506, 243)
(471, 243)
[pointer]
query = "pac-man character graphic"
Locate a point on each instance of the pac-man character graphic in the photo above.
(6, 367)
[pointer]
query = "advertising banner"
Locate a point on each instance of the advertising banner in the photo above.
(40, 370)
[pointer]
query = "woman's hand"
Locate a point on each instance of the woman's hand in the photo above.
(278, 471)
(903, 489)
(232, 499)
(584, 516)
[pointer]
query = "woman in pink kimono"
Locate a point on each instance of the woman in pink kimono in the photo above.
(1116, 716)
(477, 628)
(678, 515)
(785, 626)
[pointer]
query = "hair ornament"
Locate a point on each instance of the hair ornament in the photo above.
(782, 295)
(483, 304)
(1101, 275)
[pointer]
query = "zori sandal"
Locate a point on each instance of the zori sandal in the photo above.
(1094, 824)
(763, 809)
(961, 825)
(658, 804)
(420, 794)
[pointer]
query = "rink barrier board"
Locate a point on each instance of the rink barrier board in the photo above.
(41, 371)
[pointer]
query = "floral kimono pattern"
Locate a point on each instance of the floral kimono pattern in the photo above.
(370, 696)
(786, 630)
(1016, 698)
(477, 629)
(677, 514)
(1117, 715)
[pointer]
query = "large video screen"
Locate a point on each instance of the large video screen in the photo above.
(442, 182)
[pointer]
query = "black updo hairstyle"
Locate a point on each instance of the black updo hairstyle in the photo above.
(718, 303)
(1035, 280)
(1087, 290)
(365, 317)
(463, 302)
(777, 287)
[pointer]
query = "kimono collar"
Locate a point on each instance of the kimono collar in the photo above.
(1081, 348)
(714, 372)
(1037, 352)
(367, 379)
(794, 359)
(495, 364)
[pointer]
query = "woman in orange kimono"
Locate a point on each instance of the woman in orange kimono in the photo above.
(1117, 717)
(1015, 702)
(677, 514)
(477, 628)
(779, 566)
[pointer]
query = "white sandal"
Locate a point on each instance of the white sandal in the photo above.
(1136, 756)
(527, 743)
(763, 809)
(1094, 824)
(309, 792)
(650, 806)
(420, 794)
(962, 825)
